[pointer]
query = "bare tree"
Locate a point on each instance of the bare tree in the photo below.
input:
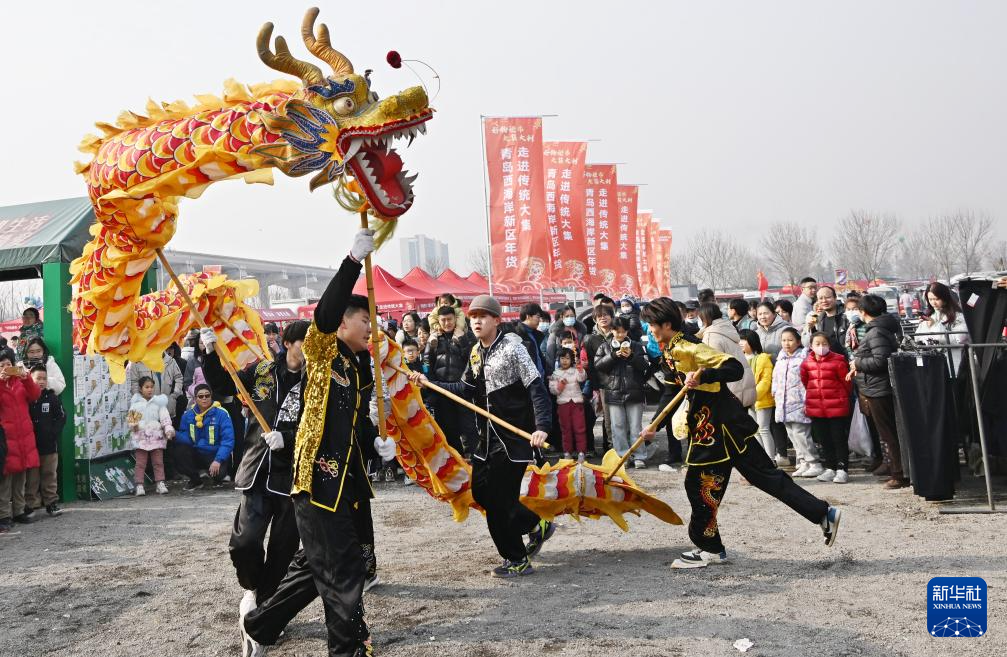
(998, 256)
(969, 236)
(792, 250)
(479, 261)
(915, 259)
(434, 265)
(716, 259)
(683, 268)
(865, 241)
(936, 246)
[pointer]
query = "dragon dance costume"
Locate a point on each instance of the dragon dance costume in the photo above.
(331, 491)
(721, 437)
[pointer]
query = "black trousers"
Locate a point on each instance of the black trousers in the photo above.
(882, 411)
(496, 487)
(447, 414)
(190, 461)
(705, 486)
(832, 434)
(330, 565)
(364, 524)
(261, 568)
(780, 439)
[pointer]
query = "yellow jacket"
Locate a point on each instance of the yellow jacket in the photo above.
(762, 367)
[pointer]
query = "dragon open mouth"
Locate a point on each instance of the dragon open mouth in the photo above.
(377, 166)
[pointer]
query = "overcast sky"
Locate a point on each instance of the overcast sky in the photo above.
(734, 114)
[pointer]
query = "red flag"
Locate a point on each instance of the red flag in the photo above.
(665, 263)
(627, 281)
(643, 219)
(599, 220)
(520, 257)
(763, 284)
(654, 262)
(563, 162)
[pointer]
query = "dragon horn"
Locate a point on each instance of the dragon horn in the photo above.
(283, 61)
(322, 46)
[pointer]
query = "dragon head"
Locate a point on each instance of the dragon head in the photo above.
(336, 126)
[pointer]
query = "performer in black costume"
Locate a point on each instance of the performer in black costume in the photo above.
(719, 433)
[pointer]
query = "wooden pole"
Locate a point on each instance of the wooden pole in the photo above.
(253, 347)
(376, 337)
(216, 345)
(650, 427)
(472, 407)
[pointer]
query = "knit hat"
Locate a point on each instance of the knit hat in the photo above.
(485, 303)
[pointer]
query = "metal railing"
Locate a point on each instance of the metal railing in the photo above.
(970, 350)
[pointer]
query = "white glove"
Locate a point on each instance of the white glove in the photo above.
(208, 338)
(386, 448)
(363, 244)
(274, 439)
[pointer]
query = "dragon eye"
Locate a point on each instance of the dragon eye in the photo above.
(344, 106)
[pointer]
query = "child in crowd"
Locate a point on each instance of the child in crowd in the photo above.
(789, 394)
(827, 403)
(48, 418)
(17, 390)
(622, 364)
(411, 354)
(150, 422)
(762, 368)
(565, 382)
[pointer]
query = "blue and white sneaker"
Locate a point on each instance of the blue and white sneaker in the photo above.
(830, 525)
(699, 559)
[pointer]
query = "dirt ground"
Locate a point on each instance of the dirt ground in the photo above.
(151, 576)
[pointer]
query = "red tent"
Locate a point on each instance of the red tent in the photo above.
(421, 280)
(392, 296)
(479, 282)
(458, 286)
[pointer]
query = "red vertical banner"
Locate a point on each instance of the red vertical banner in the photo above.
(563, 163)
(600, 225)
(627, 281)
(654, 262)
(643, 219)
(665, 282)
(520, 257)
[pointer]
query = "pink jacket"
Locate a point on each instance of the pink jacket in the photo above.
(571, 392)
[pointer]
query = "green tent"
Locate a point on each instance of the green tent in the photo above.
(39, 240)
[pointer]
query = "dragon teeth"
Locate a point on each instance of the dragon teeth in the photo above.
(422, 128)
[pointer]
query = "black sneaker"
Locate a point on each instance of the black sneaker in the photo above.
(25, 518)
(53, 509)
(830, 525)
(539, 536)
(513, 569)
(192, 485)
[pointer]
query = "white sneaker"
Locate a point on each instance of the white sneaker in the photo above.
(580, 457)
(802, 467)
(140, 492)
(246, 605)
(161, 489)
(699, 559)
(664, 467)
(782, 461)
(827, 475)
(249, 646)
(639, 464)
(371, 582)
(814, 469)
(566, 455)
(408, 481)
(841, 477)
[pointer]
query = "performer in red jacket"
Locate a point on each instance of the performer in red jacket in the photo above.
(17, 390)
(827, 403)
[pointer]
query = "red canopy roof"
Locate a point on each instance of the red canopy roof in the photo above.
(458, 286)
(421, 280)
(476, 280)
(391, 295)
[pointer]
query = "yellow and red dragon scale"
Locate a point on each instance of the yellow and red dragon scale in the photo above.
(141, 167)
(566, 487)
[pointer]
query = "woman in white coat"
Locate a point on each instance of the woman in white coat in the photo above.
(37, 353)
(945, 324)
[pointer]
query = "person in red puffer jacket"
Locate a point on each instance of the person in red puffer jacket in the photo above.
(827, 403)
(17, 390)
